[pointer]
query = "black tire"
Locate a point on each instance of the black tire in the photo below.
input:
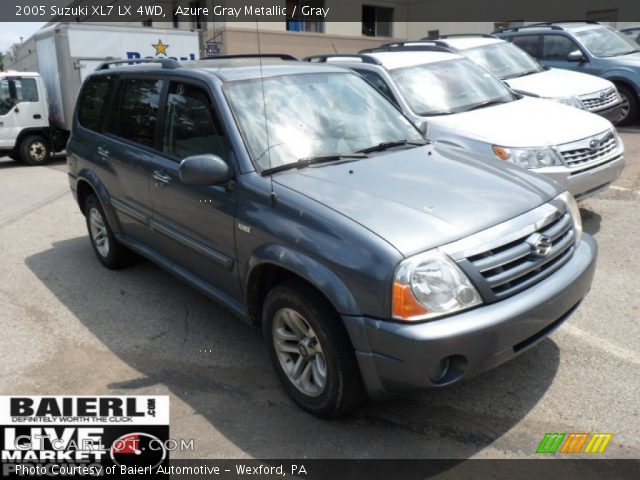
(15, 157)
(343, 390)
(35, 150)
(629, 96)
(115, 255)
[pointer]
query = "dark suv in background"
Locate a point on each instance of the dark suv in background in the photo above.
(587, 47)
(301, 199)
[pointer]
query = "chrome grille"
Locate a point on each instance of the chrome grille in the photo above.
(512, 267)
(601, 100)
(594, 149)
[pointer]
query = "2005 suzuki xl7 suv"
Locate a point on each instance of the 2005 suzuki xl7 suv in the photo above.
(300, 198)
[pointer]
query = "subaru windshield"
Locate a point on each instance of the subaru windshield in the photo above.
(297, 120)
(603, 42)
(504, 60)
(452, 86)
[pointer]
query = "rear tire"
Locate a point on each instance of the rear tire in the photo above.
(110, 253)
(34, 150)
(310, 350)
(630, 105)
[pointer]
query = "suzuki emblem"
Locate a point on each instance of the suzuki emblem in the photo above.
(540, 245)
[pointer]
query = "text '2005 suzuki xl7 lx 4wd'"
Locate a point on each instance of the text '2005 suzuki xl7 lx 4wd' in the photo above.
(305, 202)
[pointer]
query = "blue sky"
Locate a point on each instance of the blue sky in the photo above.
(10, 32)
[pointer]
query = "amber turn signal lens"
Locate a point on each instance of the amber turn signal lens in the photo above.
(404, 304)
(501, 153)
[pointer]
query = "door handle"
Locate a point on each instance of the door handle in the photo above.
(161, 177)
(37, 116)
(103, 153)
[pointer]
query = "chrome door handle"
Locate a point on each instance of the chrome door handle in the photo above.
(161, 177)
(103, 153)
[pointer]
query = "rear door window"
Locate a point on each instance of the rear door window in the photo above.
(528, 43)
(134, 114)
(93, 101)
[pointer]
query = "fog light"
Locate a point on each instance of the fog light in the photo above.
(442, 370)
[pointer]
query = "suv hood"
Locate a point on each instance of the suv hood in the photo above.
(528, 122)
(631, 60)
(416, 201)
(554, 83)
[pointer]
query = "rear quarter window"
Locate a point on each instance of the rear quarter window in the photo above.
(93, 102)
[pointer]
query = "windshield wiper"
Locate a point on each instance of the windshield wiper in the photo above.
(306, 161)
(488, 103)
(386, 145)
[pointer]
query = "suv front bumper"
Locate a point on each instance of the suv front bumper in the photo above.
(583, 183)
(612, 113)
(395, 357)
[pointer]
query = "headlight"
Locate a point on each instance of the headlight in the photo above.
(527, 157)
(572, 101)
(574, 211)
(430, 285)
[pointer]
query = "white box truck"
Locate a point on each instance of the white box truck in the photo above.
(37, 104)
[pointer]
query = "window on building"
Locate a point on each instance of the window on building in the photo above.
(196, 20)
(377, 21)
(190, 126)
(557, 47)
(514, 23)
(135, 111)
(296, 22)
(433, 34)
(147, 23)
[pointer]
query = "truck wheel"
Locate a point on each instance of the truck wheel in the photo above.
(629, 105)
(311, 351)
(34, 150)
(111, 253)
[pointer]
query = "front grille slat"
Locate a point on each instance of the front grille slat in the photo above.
(597, 103)
(511, 267)
(580, 154)
(523, 268)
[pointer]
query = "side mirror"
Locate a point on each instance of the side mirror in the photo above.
(576, 56)
(204, 170)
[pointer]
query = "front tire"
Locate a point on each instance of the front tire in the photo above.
(34, 150)
(310, 350)
(110, 253)
(629, 105)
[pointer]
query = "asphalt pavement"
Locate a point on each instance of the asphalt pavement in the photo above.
(70, 326)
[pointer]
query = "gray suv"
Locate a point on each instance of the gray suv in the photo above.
(301, 199)
(586, 47)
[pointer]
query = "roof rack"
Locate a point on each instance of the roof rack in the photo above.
(415, 46)
(550, 25)
(165, 62)
(281, 56)
(324, 58)
(459, 35)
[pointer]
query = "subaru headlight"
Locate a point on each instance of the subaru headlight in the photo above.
(574, 211)
(527, 157)
(572, 101)
(430, 285)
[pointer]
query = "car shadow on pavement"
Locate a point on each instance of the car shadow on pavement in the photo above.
(6, 162)
(590, 220)
(166, 334)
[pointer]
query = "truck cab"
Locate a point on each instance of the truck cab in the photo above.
(24, 117)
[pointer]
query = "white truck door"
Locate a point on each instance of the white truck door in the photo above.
(23, 104)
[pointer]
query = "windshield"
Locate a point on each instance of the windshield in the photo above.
(314, 115)
(604, 42)
(451, 86)
(504, 60)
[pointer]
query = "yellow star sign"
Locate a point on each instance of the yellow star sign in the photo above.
(160, 47)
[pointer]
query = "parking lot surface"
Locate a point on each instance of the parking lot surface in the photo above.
(70, 326)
